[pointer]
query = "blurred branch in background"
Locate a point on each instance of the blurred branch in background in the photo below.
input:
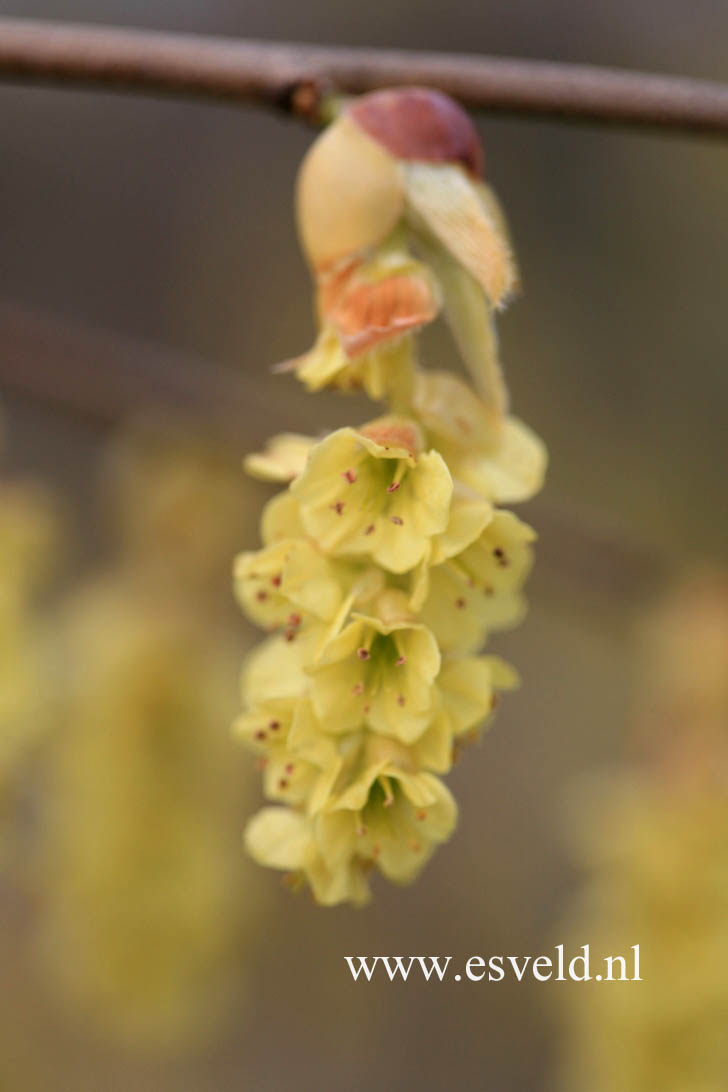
(295, 76)
(105, 378)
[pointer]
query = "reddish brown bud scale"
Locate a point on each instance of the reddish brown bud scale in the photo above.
(419, 123)
(376, 312)
(388, 433)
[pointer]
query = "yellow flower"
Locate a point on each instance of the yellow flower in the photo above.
(374, 492)
(144, 907)
(287, 840)
(467, 689)
(400, 826)
(479, 590)
(298, 764)
(281, 519)
(379, 674)
(381, 371)
(275, 669)
(505, 466)
(282, 460)
(401, 832)
(289, 583)
(367, 311)
(28, 538)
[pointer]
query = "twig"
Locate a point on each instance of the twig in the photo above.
(294, 77)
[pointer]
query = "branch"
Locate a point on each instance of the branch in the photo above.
(294, 77)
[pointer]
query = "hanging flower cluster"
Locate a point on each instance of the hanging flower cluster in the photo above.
(29, 537)
(146, 919)
(653, 844)
(386, 562)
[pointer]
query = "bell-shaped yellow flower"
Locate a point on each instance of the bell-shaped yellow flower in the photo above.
(319, 849)
(467, 690)
(506, 466)
(479, 590)
(374, 492)
(402, 831)
(290, 583)
(29, 538)
(298, 765)
(379, 674)
(403, 822)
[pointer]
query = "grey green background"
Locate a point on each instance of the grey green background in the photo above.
(170, 223)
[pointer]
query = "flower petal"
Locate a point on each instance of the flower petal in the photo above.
(278, 838)
(282, 459)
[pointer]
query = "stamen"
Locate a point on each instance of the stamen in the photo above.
(386, 786)
(290, 635)
(290, 767)
(421, 815)
(460, 603)
(294, 619)
(350, 476)
(369, 529)
(338, 507)
(399, 473)
(363, 653)
(261, 596)
(400, 661)
(358, 688)
(500, 554)
(276, 580)
(397, 520)
(261, 735)
(283, 784)
(401, 700)
(274, 725)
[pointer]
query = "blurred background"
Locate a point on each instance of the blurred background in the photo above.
(148, 247)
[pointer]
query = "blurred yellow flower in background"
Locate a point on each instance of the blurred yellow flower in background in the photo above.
(146, 911)
(29, 540)
(654, 844)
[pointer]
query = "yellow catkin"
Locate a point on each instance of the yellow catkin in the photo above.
(390, 558)
(655, 847)
(147, 912)
(29, 537)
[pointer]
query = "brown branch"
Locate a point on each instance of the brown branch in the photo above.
(294, 76)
